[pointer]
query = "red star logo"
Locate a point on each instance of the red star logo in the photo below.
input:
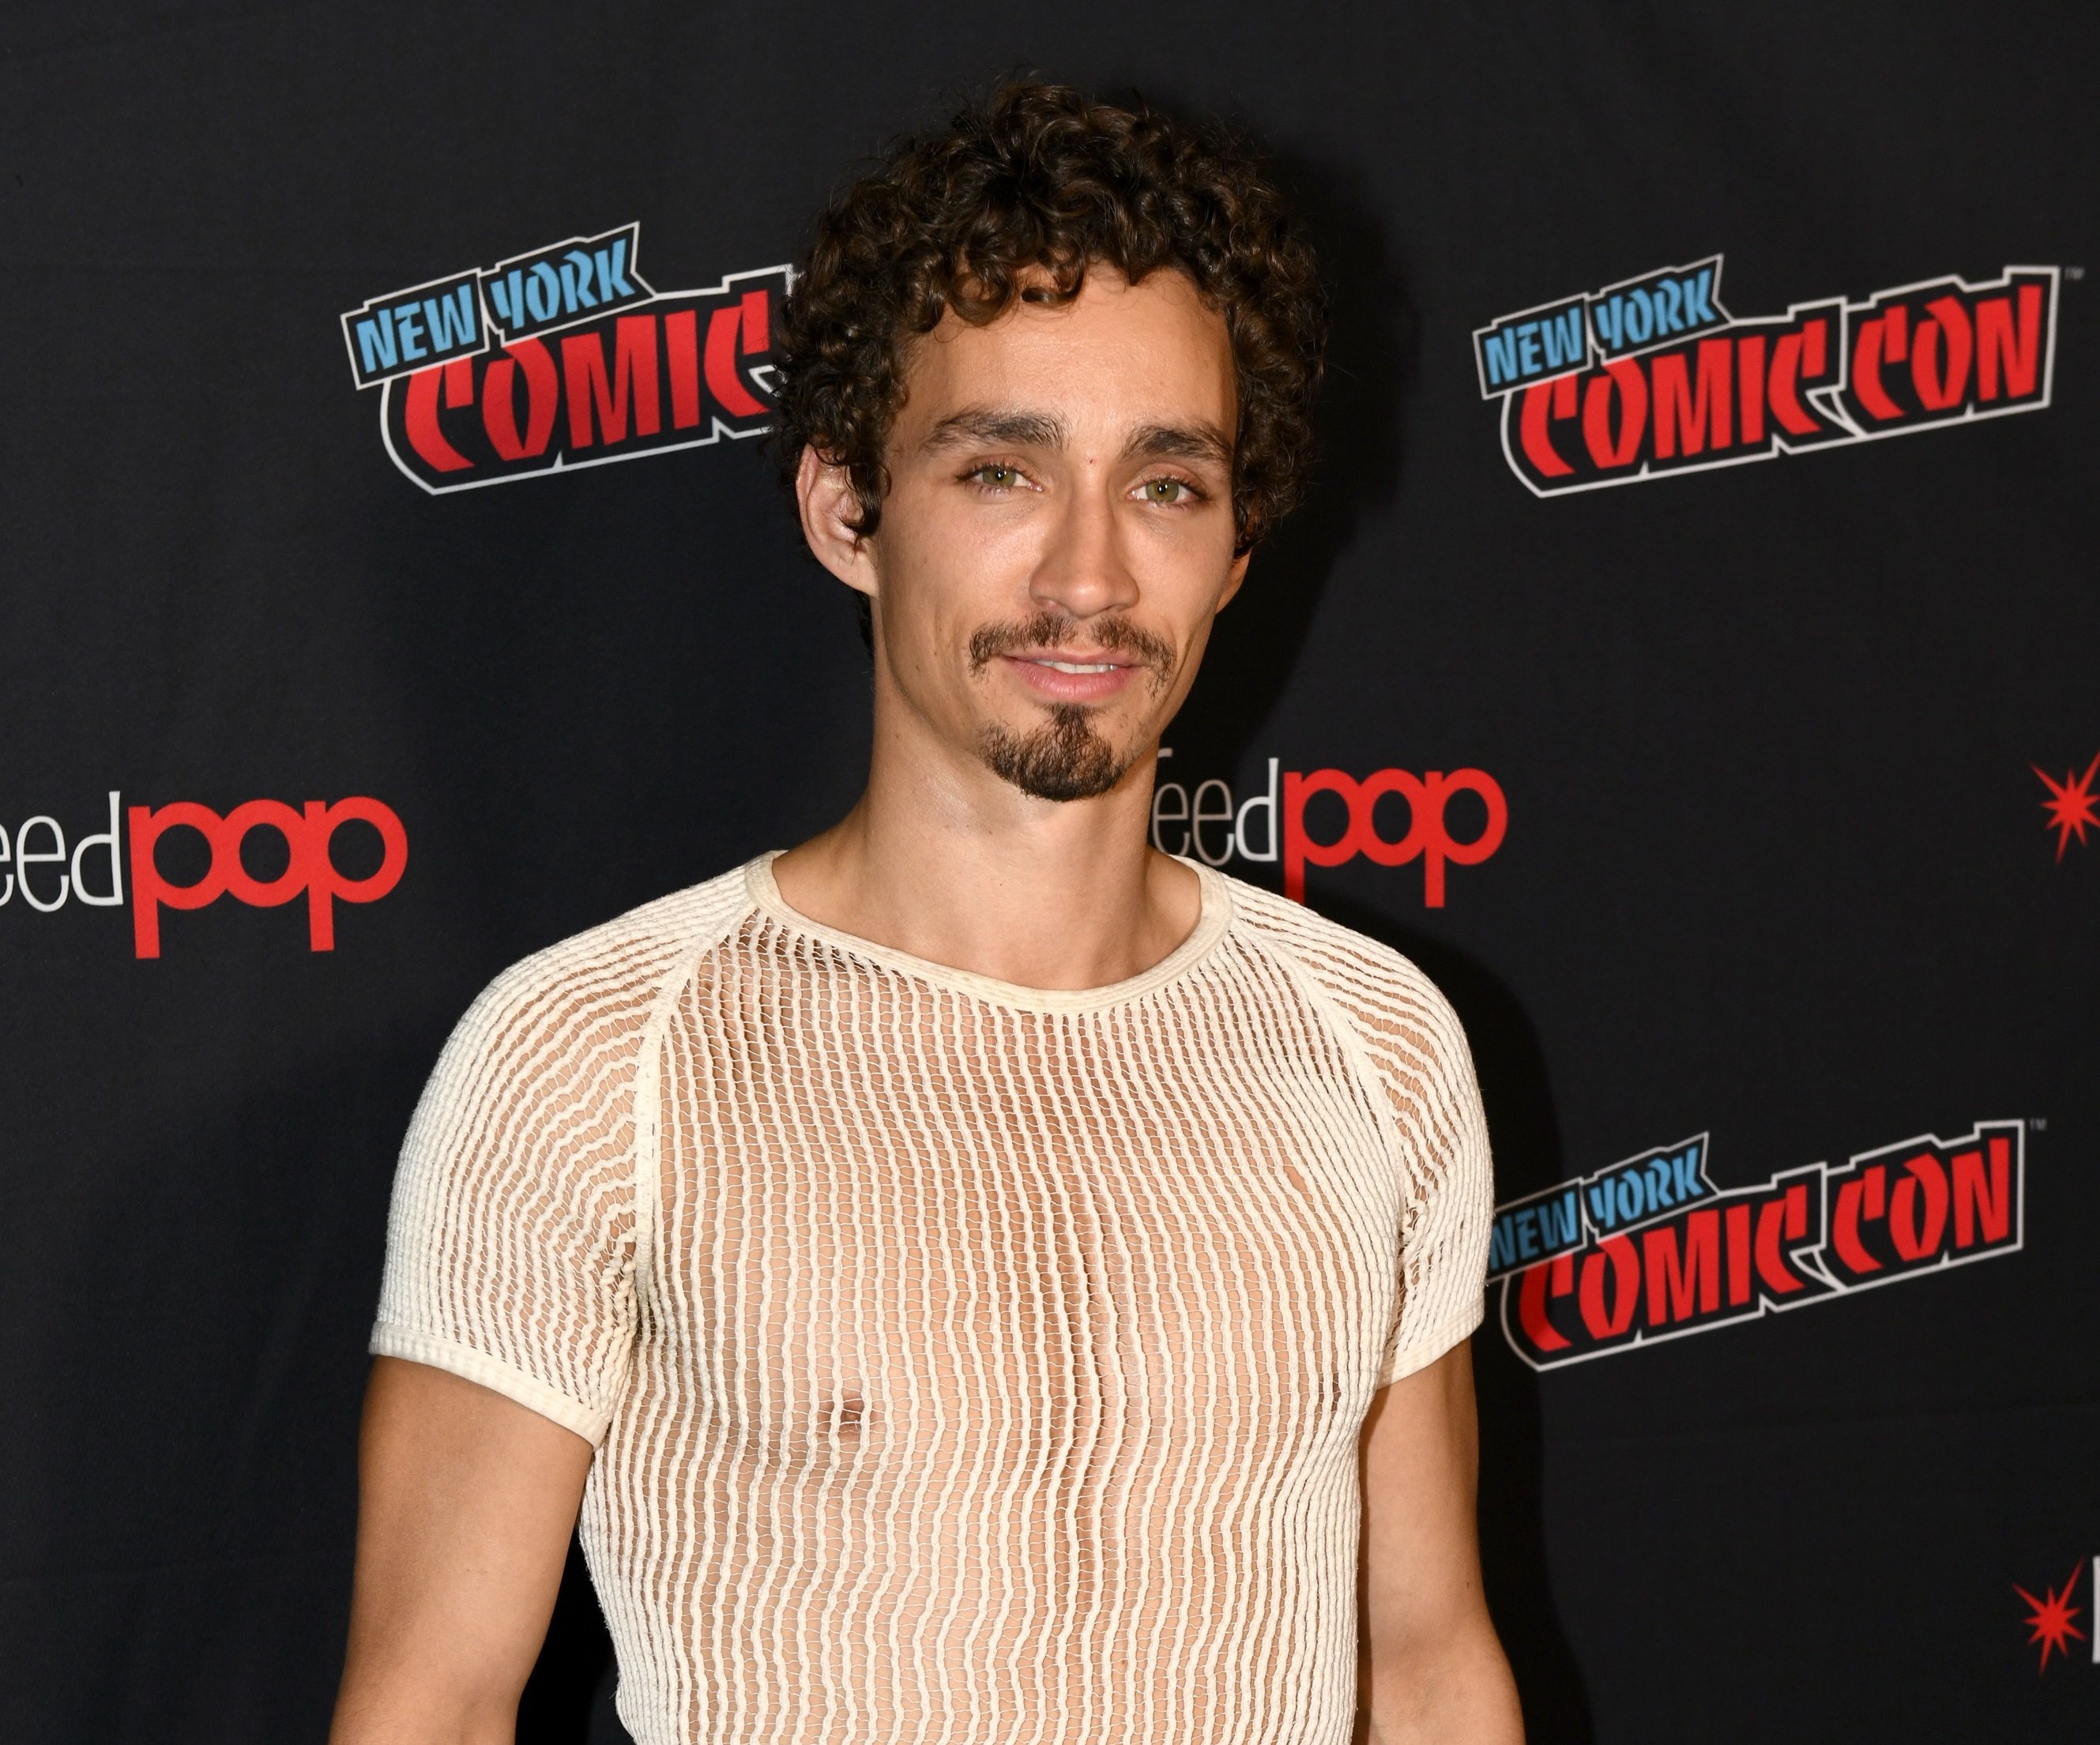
(2071, 804)
(2051, 1619)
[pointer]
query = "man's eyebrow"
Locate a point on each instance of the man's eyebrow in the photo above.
(980, 423)
(1182, 442)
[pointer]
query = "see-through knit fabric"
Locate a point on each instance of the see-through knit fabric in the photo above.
(965, 1362)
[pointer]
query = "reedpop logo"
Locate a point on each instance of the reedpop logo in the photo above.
(1272, 823)
(36, 865)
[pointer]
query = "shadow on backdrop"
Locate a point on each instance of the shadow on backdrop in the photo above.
(1371, 367)
(1521, 1124)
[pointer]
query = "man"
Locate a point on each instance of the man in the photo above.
(982, 1279)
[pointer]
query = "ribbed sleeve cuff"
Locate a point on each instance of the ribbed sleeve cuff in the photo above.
(390, 1339)
(1422, 1351)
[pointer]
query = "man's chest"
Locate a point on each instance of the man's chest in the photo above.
(1017, 1239)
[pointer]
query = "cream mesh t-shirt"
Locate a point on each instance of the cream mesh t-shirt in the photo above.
(966, 1363)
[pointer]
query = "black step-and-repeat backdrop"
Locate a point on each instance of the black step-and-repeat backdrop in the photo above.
(394, 583)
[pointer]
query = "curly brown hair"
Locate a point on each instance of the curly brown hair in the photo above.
(1042, 176)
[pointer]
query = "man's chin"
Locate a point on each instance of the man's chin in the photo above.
(1065, 758)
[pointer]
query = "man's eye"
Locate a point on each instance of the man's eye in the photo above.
(1168, 490)
(996, 473)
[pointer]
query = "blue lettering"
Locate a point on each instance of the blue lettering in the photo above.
(1658, 1184)
(1684, 1170)
(1610, 317)
(570, 290)
(1630, 1199)
(1565, 1217)
(1639, 316)
(1527, 1232)
(408, 327)
(375, 344)
(451, 319)
(1604, 1209)
(1668, 300)
(507, 293)
(1502, 1246)
(1698, 297)
(612, 279)
(1500, 351)
(1563, 339)
(543, 292)
(575, 280)
(1527, 348)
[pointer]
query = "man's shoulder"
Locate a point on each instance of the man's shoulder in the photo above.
(1382, 992)
(603, 984)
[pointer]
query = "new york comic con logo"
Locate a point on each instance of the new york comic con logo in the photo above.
(1654, 376)
(563, 357)
(1650, 1249)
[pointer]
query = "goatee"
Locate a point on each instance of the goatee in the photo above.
(1064, 759)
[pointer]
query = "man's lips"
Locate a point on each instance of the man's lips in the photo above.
(1075, 660)
(1072, 675)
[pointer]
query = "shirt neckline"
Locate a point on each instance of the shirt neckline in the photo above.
(1214, 914)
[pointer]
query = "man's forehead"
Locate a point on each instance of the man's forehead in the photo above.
(1154, 353)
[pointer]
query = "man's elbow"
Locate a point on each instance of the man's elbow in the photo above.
(1446, 1687)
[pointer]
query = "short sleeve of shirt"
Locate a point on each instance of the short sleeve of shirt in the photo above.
(511, 1242)
(1417, 1049)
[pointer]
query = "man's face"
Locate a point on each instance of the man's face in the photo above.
(1058, 534)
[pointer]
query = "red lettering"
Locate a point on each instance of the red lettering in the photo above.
(1997, 349)
(149, 890)
(1975, 1200)
(1625, 1262)
(324, 884)
(1938, 389)
(1750, 378)
(419, 412)
(1670, 1285)
(1531, 1301)
(309, 866)
(1299, 845)
(681, 350)
(1789, 1212)
(1739, 1255)
(1532, 435)
(1632, 394)
(499, 408)
(757, 334)
(1443, 846)
(1925, 1178)
(269, 814)
(1680, 415)
(1427, 798)
(1873, 1189)
(1867, 369)
(1794, 355)
(633, 377)
(723, 382)
(1896, 324)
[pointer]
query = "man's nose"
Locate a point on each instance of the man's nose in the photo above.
(1084, 568)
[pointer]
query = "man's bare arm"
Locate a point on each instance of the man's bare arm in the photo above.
(1434, 1669)
(465, 1502)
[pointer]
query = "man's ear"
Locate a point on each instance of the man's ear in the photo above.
(1233, 577)
(830, 508)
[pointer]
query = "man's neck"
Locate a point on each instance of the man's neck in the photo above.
(946, 860)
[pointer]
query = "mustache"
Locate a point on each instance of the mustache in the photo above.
(1117, 636)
